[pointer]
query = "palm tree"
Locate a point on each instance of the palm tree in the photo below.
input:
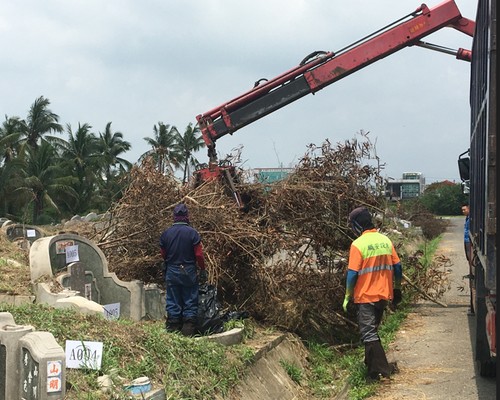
(10, 134)
(110, 146)
(81, 154)
(114, 168)
(186, 145)
(39, 122)
(10, 163)
(42, 172)
(163, 149)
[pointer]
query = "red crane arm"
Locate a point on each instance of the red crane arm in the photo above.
(321, 69)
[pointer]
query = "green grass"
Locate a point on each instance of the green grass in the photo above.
(326, 376)
(186, 368)
(429, 250)
(294, 372)
(190, 368)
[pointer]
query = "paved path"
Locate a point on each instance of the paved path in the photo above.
(434, 346)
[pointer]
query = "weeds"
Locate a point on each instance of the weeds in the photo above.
(293, 371)
(428, 249)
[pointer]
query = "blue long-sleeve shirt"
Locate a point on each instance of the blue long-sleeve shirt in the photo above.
(466, 230)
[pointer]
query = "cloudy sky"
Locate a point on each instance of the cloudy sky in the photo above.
(137, 63)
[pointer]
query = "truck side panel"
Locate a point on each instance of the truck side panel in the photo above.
(483, 182)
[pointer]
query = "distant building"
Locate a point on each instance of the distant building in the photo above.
(270, 175)
(411, 185)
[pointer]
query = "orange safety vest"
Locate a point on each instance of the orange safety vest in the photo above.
(372, 256)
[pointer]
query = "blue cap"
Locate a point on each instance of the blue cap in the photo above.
(180, 210)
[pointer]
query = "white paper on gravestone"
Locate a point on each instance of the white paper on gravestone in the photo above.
(72, 254)
(112, 311)
(82, 354)
(30, 233)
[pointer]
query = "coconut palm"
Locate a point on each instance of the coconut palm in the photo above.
(111, 146)
(186, 145)
(163, 150)
(10, 136)
(81, 155)
(40, 121)
(10, 163)
(114, 168)
(41, 179)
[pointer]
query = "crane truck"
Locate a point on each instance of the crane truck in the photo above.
(322, 68)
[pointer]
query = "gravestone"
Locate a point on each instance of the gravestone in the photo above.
(53, 256)
(16, 232)
(76, 279)
(43, 367)
(10, 334)
(32, 364)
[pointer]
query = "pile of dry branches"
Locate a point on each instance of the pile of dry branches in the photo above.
(283, 259)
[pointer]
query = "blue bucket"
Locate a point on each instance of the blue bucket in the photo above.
(139, 386)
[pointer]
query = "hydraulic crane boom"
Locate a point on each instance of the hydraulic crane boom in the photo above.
(321, 69)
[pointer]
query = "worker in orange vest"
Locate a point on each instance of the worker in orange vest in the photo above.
(373, 267)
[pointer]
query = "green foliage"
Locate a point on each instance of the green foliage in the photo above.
(443, 198)
(55, 178)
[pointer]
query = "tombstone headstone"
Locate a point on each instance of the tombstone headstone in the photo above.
(10, 334)
(76, 278)
(43, 367)
(16, 232)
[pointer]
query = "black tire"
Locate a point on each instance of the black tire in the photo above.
(488, 369)
(486, 363)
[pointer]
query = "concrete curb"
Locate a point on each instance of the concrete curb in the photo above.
(228, 338)
(16, 300)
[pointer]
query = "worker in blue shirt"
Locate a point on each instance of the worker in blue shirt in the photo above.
(182, 251)
(468, 250)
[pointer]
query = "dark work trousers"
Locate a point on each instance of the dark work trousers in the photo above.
(467, 248)
(182, 293)
(369, 318)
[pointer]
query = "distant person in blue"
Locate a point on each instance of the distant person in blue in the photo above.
(467, 248)
(465, 211)
(182, 251)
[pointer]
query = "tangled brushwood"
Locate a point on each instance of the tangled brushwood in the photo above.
(282, 257)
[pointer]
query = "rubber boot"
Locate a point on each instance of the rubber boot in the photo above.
(189, 327)
(376, 361)
(173, 325)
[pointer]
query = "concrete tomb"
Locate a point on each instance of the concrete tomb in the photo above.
(82, 269)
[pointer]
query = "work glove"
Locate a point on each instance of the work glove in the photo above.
(203, 277)
(345, 303)
(397, 297)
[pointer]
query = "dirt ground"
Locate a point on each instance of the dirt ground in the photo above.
(433, 349)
